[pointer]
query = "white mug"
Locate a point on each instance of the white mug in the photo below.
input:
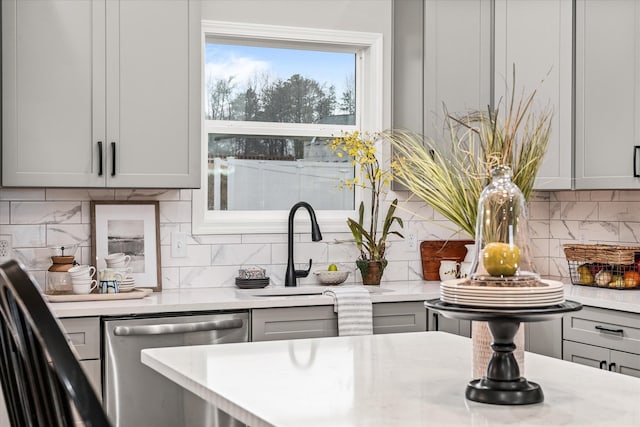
(84, 287)
(448, 269)
(110, 274)
(82, 271)
(117, 260)
(465, 269)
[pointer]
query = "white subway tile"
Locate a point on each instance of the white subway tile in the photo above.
(630, 232)
(170, 277)
(26, 236)
(580, 211)
(214, 239)
(46, 212)
(82, 194)
(4, 213)
(19, 194)
(68, 234)
(207, 277)
(197, 255)
(620, 211)
(147, 194)
(258, 254)
(264, 238)
(175, 211)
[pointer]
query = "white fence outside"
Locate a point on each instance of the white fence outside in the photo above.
(277, 184)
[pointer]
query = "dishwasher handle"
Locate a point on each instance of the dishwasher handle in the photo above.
(177, 328)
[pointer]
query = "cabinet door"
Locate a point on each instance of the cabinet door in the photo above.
(268, 324)
(437, 322)
(625, 363)
(590, 355)
(393, 317)
(536, 37)
(53, 102)
(607, 94)
(153, 97)
(544, 338)
(457, 59)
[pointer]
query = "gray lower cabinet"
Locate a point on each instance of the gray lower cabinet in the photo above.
(544, 338)
(540, 337)
(84, 335)
(603, 339)
(438, 322)
(269, 324)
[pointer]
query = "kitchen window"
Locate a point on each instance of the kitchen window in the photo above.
(273, 98)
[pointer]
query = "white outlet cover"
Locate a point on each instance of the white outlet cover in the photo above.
(178, 244)
(5, 247)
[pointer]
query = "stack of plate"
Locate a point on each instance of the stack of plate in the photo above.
(127, 284)
(547, 293)
(251, 283)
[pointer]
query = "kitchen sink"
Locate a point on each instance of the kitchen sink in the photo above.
(301, 291)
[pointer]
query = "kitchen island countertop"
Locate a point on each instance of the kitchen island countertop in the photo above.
(410, 379)
(232, 298)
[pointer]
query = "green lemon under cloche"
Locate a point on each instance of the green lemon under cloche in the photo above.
(333, 267)
(501, 259)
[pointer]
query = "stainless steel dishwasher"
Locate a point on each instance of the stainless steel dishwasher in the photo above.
(137, 396)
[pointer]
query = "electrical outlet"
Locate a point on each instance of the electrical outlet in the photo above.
(178, 244)
(5, 247)
(411, 239)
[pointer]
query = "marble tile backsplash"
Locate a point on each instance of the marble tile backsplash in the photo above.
(40, 218)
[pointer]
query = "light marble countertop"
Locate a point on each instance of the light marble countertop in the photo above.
(410, 379)
(231, 298)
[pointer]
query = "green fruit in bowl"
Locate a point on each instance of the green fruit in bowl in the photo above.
(332, 267)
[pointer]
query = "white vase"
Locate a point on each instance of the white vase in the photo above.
(471, 252)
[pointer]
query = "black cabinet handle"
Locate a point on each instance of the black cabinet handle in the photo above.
(603, 364)
(99, 158)
(610, 331)
(635, 161)
(113, 159)
(612, 366)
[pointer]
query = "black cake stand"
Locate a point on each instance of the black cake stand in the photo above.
(503, 384)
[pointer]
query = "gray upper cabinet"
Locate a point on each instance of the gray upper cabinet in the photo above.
(535, 36)
(457, 59)
(469, 48)
(607, 94)
(101, 93)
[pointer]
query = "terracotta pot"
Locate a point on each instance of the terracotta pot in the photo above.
(371, 271)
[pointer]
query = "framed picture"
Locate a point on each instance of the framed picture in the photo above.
(132, 228)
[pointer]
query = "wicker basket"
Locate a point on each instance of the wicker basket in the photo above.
(606, 266)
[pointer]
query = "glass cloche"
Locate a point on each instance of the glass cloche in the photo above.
(503, 257)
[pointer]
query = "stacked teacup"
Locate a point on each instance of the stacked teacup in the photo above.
(120, 263)
(82, 280)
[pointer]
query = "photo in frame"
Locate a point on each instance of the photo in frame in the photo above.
(132, 228)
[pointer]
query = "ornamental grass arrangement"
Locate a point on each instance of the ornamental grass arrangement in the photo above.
(370, 238)
(451, 178)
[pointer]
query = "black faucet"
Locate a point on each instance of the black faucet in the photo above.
(290, 277)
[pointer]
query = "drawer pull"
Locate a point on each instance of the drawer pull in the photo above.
(610, 331)
(603, 364)
(612, 366)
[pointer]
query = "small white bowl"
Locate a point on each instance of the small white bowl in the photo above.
(327, 277)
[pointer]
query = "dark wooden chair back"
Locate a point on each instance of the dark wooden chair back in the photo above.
(40, 375)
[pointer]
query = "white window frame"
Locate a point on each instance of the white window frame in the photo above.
(369, 116)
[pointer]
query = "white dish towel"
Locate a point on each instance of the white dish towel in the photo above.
(355, 312)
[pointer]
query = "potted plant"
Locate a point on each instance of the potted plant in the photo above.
(451, 177)
(370, 238)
